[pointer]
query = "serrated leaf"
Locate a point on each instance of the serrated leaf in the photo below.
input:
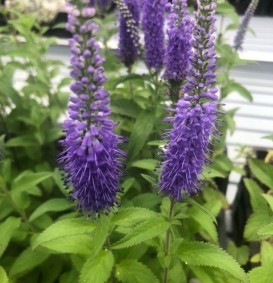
(6, 230)
(100, 234)
(27, 261)
(67, 236)
(146, 230)
(131, 216)
(142, 129)
(266, 254)
(241, 254)
(260, 274)
(207, 227)
(213, 275)
(262, 171)
(98, 269)
(132, 271)
(264, 272)
(206, 254)
(58, 204)
(202, 208)
(148, 164)
(266, 231)
(255, 222)
(3, 275)
(269, 199)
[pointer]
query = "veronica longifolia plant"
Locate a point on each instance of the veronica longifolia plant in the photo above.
(153, 27)
(129, 47)
(195, 114)
(239, 38)
(90, 156)
(179, 42)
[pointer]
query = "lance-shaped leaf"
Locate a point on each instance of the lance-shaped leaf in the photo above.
(144, 231)
(98, 269)
(206, 254)
(132, 271)
(68, 236)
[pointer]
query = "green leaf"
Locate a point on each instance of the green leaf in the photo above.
(241, 254)
(269, 199)
(5, 169)
(266, 231)
(27, 261)
(57, 204)
(3, 275)
(100, 234)
(266, 254)
(255, 223)
(234, 86)
(213, 275)
(22, 141)
(67, 236)
(263, 273)
(202, 208)
(206, 254)
(228, 10)
(205, 222)
(223, 163)
(146, 230)
(127, 184)
(28, 180)
(269, 137)
(210, 172)
(263, 172)
(125, 107)
(131, 216)
(148, 164)
(6, 230)
(255, 193)
(148, 178)
(132, 271)
(97, 270)
(142, 129)
(260, 274)
(129, 77)
(147, 200)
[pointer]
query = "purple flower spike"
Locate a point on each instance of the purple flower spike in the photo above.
(153, 27)
(128, 50)
(239, 38)
(195, 114)
(179, 38)
(90, 156)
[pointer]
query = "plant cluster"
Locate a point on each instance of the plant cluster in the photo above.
(149, 215)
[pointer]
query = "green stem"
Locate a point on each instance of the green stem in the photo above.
(168, 242)
(131, 89)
